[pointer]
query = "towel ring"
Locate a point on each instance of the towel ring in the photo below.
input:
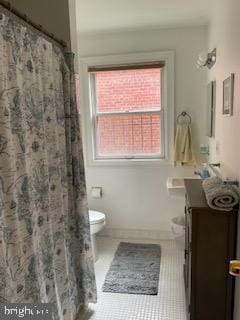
(184, 114)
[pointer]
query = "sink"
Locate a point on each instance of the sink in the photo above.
(175, 185)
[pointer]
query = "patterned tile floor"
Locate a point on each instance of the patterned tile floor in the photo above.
(169, 304)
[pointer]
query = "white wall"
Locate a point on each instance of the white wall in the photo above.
(225, 36)
(136, 197)
(73, 31)
(52, 15)
(57, 17)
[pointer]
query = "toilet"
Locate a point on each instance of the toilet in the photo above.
(97, 222)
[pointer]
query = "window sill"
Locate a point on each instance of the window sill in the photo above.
(128, 162)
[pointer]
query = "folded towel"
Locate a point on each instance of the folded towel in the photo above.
(211, 182)
(183, 149)
(220, 196)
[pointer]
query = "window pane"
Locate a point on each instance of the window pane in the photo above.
(128, 90)
(129, 135)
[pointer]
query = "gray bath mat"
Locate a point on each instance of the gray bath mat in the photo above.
(134, 269)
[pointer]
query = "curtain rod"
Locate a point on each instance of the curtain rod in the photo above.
(8, 6)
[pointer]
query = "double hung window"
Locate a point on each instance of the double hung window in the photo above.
(127, 111)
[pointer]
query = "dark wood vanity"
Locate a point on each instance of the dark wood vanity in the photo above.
(209, 246)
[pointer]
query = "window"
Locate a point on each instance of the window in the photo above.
(127, 111)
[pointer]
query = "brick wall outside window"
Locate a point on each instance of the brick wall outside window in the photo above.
(128, 91)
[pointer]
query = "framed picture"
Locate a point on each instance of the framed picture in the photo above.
(228, 92)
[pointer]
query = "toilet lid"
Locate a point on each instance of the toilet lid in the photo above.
(96, 217)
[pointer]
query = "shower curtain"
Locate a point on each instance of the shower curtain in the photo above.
(45, 247)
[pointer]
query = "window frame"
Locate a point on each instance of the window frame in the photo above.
(167, 106)
(96, 115)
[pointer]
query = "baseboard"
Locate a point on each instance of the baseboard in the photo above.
(136, 234)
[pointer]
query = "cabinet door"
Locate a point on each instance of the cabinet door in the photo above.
(188, 249)
(186, 260)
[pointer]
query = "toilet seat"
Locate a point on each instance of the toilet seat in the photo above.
(96, 217)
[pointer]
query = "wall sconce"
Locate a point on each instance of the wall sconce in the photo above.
(207, 59)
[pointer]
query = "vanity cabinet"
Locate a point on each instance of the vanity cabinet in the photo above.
(210, 243)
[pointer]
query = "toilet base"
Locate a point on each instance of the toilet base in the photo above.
(94, 247)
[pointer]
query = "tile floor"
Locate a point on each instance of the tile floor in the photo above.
(169, 304)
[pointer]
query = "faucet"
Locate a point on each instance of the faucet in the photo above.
(204, 173)
(198, 173)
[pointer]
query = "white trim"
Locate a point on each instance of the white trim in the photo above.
(127, 113)
(136, 234)
(144, 28)
(168, 104)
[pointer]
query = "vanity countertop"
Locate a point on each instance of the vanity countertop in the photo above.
(195, 193)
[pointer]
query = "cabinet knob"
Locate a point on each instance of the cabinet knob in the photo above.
(234, 268)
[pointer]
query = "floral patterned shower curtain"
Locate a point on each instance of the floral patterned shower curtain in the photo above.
(45, 248)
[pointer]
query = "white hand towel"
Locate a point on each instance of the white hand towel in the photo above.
(183, 149)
